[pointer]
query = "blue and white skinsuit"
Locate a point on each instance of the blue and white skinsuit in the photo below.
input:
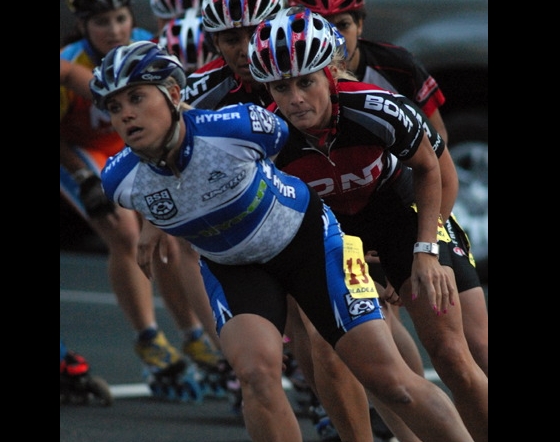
(260, 232)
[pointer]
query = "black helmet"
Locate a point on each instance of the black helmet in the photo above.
(84, 9)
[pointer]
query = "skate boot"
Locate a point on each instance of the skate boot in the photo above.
(168, 375)
(302, 395)
(201, 351)
(232, 386)
(379, 427)
(77, 386)
(323, 425)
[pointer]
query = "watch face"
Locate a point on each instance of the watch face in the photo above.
(431, 248)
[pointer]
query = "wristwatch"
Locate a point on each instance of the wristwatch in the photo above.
(431, 248)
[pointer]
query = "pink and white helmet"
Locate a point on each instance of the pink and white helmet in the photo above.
(294, 42)
(219, 15)
(185, 38)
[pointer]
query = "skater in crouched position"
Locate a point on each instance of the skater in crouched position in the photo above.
(207, 176)
(359, 147)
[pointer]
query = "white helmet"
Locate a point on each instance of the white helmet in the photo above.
(142, 62)
(219, 15)
(293, 43)
(185, 38)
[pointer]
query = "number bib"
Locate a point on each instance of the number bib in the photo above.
(356, 273)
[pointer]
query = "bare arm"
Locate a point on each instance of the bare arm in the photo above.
(427, 189)
(428, 278)
(449, 179)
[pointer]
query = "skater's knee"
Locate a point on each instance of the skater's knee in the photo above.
(456, 367)
(258, 378)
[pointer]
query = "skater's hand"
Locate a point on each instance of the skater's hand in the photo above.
(391, 296)
(433, 283)
(371, 257)
(151, 238)
(95, 201)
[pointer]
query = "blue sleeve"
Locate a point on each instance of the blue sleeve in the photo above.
(249, 122)
(115, 170)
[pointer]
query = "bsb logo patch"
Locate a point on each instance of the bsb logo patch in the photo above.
(261, 121)
(359, 307)
(161, 205)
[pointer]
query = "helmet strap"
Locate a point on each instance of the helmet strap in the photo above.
(172, 135)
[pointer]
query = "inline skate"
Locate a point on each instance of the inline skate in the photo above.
(219, 380)
(168, 375)
(77, 386)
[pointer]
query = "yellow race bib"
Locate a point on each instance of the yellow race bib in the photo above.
(356, 273)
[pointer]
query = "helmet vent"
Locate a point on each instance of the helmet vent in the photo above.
(298, 25)
(300, 47)
(318, 24)
(266, 59)
(130, 68)
(211, 17)
(236, 10)
(327, 55)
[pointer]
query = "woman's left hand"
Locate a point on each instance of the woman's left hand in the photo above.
(151, 238)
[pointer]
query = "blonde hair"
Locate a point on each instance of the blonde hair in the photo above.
(185, 106)
(169, 82)
(338, 68)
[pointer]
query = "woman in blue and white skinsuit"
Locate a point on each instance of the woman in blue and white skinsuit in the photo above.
(206, 176)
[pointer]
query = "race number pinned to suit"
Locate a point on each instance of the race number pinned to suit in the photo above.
(356, 273)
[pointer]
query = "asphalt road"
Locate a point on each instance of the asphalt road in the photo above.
(92, 324)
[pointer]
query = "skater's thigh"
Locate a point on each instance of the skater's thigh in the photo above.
(371, 353)
(244, 289)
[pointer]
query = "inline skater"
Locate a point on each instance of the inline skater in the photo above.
(394, 68)
(346, 140)
(86, 141)
(215, 185)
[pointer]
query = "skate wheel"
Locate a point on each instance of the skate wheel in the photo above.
(100, 389)
(192, 391)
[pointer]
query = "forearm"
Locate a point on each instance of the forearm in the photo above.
(427, 190)
(449, 184)
(69, 159)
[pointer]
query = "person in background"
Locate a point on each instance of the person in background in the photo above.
(397, 70)
(185, 37)
(223, 76)
(261, 234)
(226, 79)
(344, 141)
(86, 141)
